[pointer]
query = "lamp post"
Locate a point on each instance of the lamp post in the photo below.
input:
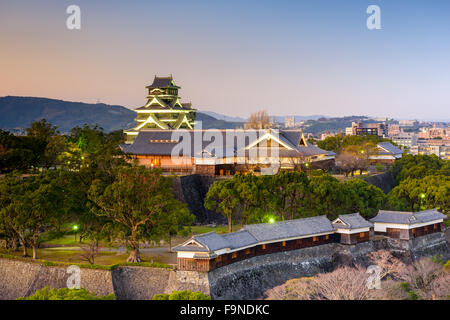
(422, 196)
(75, 228)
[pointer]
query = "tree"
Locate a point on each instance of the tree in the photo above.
(251, 195)
(420, 194)
(330, 197)
(332, 143)
(420, 166)
(33, 204)
(47, 138)
(138, 203)
(367, 199)
(288, 190)
(259, 120)
(344, 283)
(223, 197)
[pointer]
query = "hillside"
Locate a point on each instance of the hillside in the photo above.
(19, 112)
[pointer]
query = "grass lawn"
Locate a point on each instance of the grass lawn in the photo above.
(106, 258)
(66, 240)
(218, 229)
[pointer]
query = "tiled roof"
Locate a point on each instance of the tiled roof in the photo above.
(239, 239)
(225, 145)
(403, 217)
(161, 82)
(255, 233)
(212, 241)
(389, 147)
(353, 221)
(289, 229)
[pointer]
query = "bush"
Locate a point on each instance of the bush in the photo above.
(182, 295)
(66, 294)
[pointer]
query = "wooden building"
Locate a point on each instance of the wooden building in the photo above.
(226, 152)
(408, 225)
(352, 228)
(386, 153)
(208, 251)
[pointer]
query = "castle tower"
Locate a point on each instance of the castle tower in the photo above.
(163, 109)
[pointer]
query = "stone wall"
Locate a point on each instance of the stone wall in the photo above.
(192, 190)
(20, 279)
(246, 279)
(385, 181)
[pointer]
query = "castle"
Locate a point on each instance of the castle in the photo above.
(167, 137)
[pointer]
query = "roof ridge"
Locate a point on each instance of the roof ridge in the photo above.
(283, 221)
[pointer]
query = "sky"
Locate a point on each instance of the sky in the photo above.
(235, 57)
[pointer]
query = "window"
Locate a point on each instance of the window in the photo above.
(219, 258)
(234, 255)
(283, 244)
(361, 234)
(315, 238)
(247, 251)
(263, 247)
(327, 237)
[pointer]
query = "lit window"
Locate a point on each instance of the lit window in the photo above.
(283, 243)
(234, 255)
(263, 246)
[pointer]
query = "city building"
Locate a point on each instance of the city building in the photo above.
(394, 129)
(442, 151)
(408, 123)
(408, 225)
(289, 122)
(405, 139)
(377, 129)
(434, 132)
(163, 109)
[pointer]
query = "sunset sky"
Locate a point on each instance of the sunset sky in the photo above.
(235, 57)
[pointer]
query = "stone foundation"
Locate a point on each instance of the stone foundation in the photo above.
(246, 279)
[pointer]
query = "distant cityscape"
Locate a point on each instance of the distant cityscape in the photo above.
(416, 137)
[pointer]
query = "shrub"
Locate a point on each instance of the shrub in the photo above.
(182, 295)
(66, 294)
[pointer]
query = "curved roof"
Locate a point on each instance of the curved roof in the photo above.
(351, 221)
(404, 217)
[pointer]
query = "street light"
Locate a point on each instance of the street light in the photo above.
(75, 228)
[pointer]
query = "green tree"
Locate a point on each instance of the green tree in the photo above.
(223, 197)
(251, 195)
(367, 199)
(288, 192)
(420, 166)
(138, 203)
(419, 194)
(33, 204)
(330, 197)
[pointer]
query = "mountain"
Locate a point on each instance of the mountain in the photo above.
(280, 119)
(19, 112)
(224, 117)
